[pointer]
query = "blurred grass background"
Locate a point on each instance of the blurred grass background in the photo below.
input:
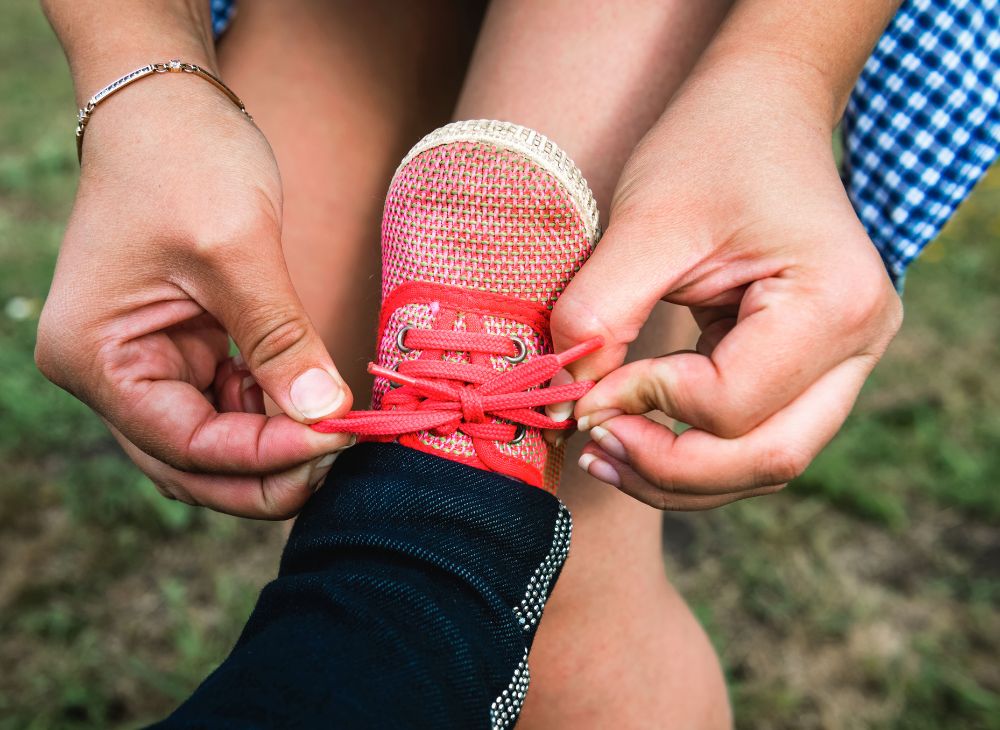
(864, 596)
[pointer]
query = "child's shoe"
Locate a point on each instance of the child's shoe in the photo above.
(485, 224)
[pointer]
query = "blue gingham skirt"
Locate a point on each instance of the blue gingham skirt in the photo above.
(922, 125)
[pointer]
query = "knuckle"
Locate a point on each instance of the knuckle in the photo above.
(886, 327)
(894, 315)
(752, 493)
(180, 459)
(213, 246)
(281, 499)
(111, 365)
(728, 419)
(665, 383)
(772, 489)
(662, 495)
(275, 337)
(666, 490)
(169, 487)
(575, 321)
(657, 500)
(730, 422)
(578, 317)
(54, 353)
(163, 487)
(867, 299)
(47, 354)
(780, 465)
(664, 500)
(857, 311)
(281, 511)
(679, 385)
(657, 386)
(47, 341)
(220, 238)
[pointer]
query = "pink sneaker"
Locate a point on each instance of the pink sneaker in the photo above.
(485, 224)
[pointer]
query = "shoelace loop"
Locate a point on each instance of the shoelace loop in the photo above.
(444, 397)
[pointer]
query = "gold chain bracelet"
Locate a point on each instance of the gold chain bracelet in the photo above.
(175, 66)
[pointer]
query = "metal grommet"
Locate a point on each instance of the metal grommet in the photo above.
(393, 385)
(522, 431)
(522, 351)
(399, 339)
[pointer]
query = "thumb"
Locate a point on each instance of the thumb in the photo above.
(612, 296)
(257, 304)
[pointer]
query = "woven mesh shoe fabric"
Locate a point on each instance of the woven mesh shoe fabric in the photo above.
(491, 207)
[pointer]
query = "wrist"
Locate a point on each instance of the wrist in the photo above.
(776, 81)
(814, 47)
(155, 117)
(105, 40)
(97, 71)
(174, 66)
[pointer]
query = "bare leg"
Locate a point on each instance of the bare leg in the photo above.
(342, 89)
(618, 647)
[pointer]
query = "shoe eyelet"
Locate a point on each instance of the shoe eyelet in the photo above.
(399, 339)
(519, 436)
(522, 351)
(393, 385)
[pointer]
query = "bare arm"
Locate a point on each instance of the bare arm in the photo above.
(826, 42)
(105, 38)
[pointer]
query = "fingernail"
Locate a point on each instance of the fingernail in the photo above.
(559, 440)
(320, 469)
(562, 377)
(560, 411)
(600, 469)
(327, 461)
(349, 444)
(609, 442)
(596, 418)
(238, 362)
(316, 393)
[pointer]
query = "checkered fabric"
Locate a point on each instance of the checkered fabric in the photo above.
(923, 123)
(222, 13)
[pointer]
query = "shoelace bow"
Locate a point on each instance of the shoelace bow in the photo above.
(443, 397)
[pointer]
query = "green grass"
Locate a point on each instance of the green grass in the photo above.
(866, 595)
(935, 398)
(113, 601)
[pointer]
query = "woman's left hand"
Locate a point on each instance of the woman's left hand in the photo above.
(732, 206)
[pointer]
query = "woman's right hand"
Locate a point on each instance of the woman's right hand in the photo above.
(174, 244)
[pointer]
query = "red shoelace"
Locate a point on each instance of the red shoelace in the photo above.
(442, 397)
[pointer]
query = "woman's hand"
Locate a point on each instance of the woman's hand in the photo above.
(174, 245)
(732, 205)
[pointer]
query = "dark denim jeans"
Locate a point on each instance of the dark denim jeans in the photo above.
(408, 596)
